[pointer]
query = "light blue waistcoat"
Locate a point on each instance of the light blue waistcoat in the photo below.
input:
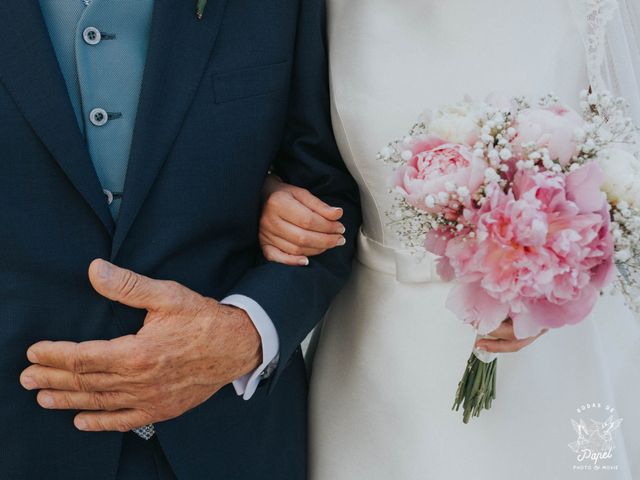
(101, 46)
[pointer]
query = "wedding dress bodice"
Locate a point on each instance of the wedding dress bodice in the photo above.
(391, 354)
(391, 60)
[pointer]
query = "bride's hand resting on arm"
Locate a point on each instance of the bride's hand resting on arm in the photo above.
(296, 225)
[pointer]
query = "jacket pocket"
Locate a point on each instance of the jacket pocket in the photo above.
(250, 82)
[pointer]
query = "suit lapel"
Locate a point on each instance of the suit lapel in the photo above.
(29, 71)
(179, 51)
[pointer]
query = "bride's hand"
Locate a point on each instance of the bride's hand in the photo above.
(505, 340)
(296, 225)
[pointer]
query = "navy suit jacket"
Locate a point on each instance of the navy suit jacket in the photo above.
(223, 99)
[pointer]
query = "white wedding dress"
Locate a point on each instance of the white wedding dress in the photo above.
(390, 354)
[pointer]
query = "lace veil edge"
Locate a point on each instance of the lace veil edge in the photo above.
(611, 35)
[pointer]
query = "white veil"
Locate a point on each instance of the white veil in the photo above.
(622, 59)
(611, 33)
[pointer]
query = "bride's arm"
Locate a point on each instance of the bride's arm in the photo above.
(296, 225)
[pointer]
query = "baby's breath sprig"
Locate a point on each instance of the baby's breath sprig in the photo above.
(625, 227)
(410, 224)
(607, 124)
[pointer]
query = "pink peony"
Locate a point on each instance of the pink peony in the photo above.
(541, 254)
(434, 165)
(552, 127)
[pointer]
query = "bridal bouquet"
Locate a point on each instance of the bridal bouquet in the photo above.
(528, 208)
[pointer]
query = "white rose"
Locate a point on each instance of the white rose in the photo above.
(458, 124)
(621, 176)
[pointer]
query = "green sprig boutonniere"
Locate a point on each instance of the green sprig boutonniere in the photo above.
(200, 6)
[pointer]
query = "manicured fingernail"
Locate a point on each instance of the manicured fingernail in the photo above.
(104, 270)
(482, 348)
(28, 383)
(31, 355)
(304, 262)
(45, 400)
(80, 424)
(342, 242)
(342, 230)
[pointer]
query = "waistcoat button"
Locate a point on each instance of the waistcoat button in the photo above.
(92, 35)
(109, 196)
(99, 117)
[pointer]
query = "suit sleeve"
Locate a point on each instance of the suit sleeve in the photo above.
(296, 298)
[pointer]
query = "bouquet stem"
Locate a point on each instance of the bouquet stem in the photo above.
(477, 389)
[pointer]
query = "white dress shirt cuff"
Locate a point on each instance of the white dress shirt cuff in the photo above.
(246, 386)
